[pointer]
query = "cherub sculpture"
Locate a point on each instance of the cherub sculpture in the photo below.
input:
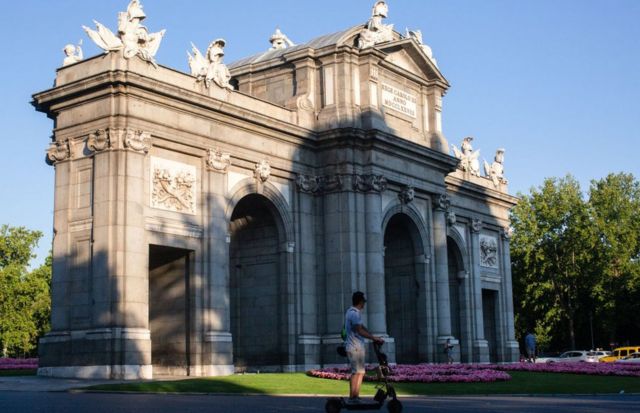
(468, 158)
(280, 40)
(495, 171)
(210, 67)
(375, 31)
(72, 54)
(417, 36)
(133, 38)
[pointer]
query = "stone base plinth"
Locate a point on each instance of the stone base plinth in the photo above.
(110, 353)
(481, 351)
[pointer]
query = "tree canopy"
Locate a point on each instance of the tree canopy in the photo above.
(576, 262)
(25, 302)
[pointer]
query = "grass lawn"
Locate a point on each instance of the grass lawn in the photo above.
(21, 372)
(299, 383)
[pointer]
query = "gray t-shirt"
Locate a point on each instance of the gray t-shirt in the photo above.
(352, 319)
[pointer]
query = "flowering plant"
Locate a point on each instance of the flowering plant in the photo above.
(18, 364)
(478, 373)
(423, 373)
(598, 369)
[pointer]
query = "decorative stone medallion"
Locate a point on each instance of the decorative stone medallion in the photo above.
(138, 141)
(173, 186)
(218, 160)
(488, 251)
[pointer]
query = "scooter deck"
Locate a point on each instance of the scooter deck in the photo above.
(360, 406)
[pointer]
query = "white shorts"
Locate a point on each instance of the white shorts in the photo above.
(356, 359)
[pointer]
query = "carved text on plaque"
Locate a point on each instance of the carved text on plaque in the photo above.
(399, 100)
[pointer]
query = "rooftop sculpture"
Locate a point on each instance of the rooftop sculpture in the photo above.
(280, 40)
(375, 31)
(468, 157)
(417, 36)
(73, 54)
(210, 67)
(133, 38)
(495, 171)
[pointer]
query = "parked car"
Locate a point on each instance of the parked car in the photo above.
(619, 353)
(631, 358)
(595, 355)
(573, 356)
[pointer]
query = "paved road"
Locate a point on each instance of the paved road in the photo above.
(59, 402)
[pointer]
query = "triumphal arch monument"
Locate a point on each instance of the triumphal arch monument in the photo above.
(219, 220)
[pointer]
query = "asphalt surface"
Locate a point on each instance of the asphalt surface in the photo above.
(58, 402)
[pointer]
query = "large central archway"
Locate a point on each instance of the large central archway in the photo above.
(402, 287)
(257, 287)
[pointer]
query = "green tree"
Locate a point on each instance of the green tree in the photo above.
(24, 296)
(551, 249)
(615, 209)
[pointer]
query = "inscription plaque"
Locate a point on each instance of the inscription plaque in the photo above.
(399, 100)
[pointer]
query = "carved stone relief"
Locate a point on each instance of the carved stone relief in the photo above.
(442, 202)
(218, 160)
(476, 225)
(407, 194)
(138, 141)
(59, 151)
(451, 218)
(99, 140)
(173, 186)
(507, 233)
(318, 184)
(262, 171)
(368, 183)
(488, 251)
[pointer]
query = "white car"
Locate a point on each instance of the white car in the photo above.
(573, 356)
(631, 358)
(594, 355)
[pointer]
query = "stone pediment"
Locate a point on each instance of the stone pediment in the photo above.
(410, 56)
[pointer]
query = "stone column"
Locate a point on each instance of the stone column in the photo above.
(218, 339)
(512, 349)
(376, 310)
(480, 345)
(308, 339)
(442, 272)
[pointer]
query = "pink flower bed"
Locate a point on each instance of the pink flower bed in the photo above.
(481, 373)
(423, 373)
(18, 364)
(598, 369)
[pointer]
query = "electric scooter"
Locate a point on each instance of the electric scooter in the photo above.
(384, 391)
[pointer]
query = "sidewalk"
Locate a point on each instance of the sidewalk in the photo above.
(44, 384)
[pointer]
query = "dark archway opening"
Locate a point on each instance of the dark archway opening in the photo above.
(169, 309)
(256, 286)
(458, 315)
(490, 319)
(401, 287)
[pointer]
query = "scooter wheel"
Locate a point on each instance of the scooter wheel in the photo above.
(332, 406)
(394, 406)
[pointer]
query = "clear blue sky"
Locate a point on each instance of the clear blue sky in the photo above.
(555, 82)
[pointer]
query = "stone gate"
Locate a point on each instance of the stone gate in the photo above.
(219, 220)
